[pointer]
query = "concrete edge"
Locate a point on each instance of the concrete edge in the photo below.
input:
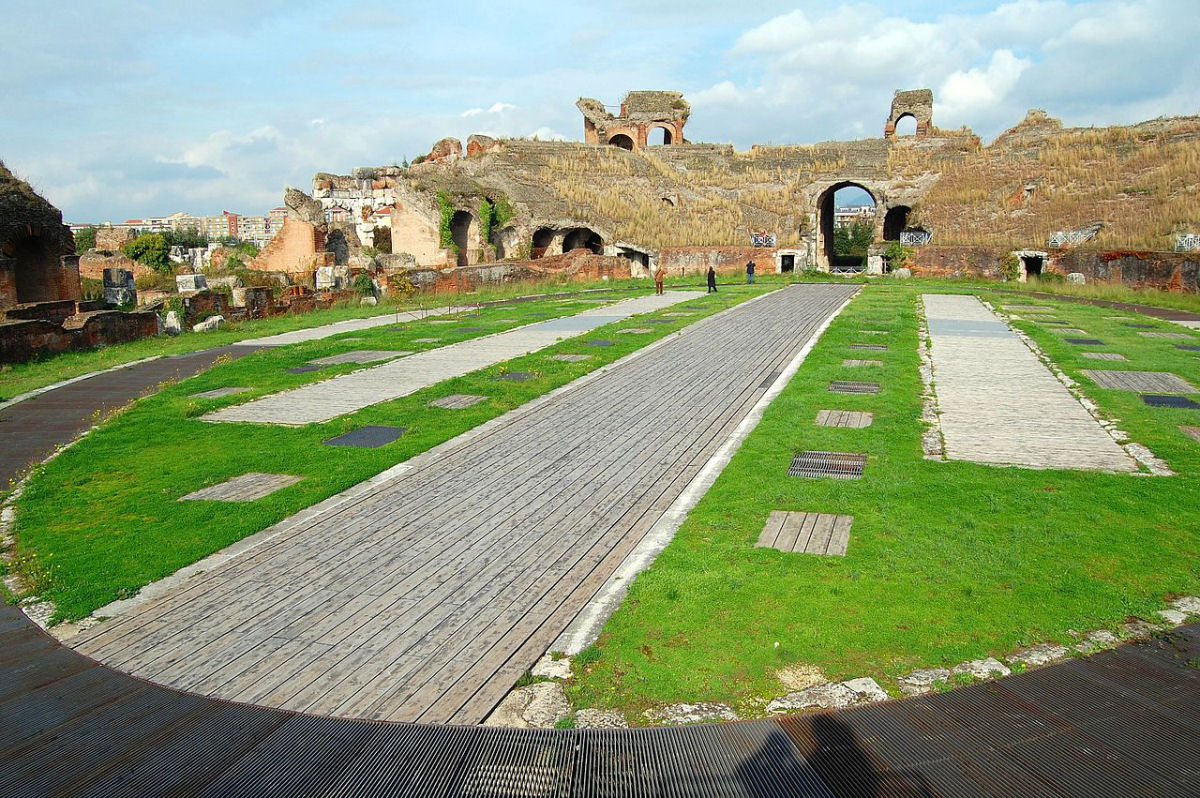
(587, 625)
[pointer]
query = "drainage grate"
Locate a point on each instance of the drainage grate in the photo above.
(1173, 336)
(599, 342)
(1188, 347)
(872, 347)
(517, 376)
(1141, 326)
(1148, 381)
(1085, 341)
(635, 330)
(1050, 321)
(371, 436)
(1161, 400)
(659, 321)
(470, 329)
(838, 465)
(850, 386)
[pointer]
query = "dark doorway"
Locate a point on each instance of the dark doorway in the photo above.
(460, 229)
(658, 137)
(541, 242)
(583, 238)
(36, 270)
(847, 223)
(622, 141)
(894, 222)
(906, 125)
(1033, 265)
(787, 263)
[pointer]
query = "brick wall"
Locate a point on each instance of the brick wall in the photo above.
(21, 341)
(680, 261)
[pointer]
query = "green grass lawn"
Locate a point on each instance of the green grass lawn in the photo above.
(102, 520)
(947, 561)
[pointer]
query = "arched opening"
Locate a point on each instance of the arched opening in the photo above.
(1033, 265)
(895, 221)
(583, 238)
(906, 125)
(670, 203)
(847, 223)
(622, 141)
(460, 229)
(541, 242)
(658, 136)
(35, 272)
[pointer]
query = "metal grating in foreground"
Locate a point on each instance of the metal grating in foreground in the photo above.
(1121, 722)
(839, 465)
(1165, 400)
(851, 386)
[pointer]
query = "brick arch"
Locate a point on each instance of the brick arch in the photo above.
(623, 139)
(825, 214)
(671, 133)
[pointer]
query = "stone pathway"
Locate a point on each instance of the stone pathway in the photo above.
(999, 405)
(349, 325)
(349, 393)
(427, 595)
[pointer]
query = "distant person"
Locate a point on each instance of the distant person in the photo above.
(750, 272)
(712, 280)
(659, 275)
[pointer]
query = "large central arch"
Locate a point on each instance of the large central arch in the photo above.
(826, 217)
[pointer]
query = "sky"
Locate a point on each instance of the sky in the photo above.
(116, 110)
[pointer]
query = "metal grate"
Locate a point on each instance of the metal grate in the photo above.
(1141, 326)
(599, 342)
(1050, 321)
(1085, 341)
(1162, 400)
(850, 386)
(517, 376)
(659, 321)
(838, 465)
(1171, 335)
(470, 329)
(371, 436)
(1188, 347)
(872, 347)
(1142, 381)
(304, 369)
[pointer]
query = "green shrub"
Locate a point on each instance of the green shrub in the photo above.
(150, 249)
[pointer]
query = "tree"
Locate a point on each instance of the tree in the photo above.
(853, 239)
(85, 240)
(191, 238)
(150, 249)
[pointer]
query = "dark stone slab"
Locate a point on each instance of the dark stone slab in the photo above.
(305, 369)
(517, 376)
(1085, 341)
(470, 329)
(1163, 400)
(1188, 347)
(599, 342)
(371, 436)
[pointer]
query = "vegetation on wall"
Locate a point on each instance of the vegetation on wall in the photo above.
(494, 215)
(84, 240)
(445, 232)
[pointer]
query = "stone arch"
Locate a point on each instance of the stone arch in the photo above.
(918, 104)
(622, 140)
(543, 237)
(583, 238)
(906, 125)
(460, 230)
(668, 135)
(895, 221)
(36, 269)
(825, 219)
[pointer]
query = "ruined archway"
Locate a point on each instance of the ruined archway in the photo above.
(622, 141)
(906, 125)
(542, 237)
(658, 136)
(851, 207)
(583, 238)
(460, 230)
(895, 221)
(36, 270)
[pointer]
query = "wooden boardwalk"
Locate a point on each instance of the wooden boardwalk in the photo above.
(426, 598)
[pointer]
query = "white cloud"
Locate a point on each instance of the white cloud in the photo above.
(975, 90)
(547, 134)
(470, 112)
(498, 108)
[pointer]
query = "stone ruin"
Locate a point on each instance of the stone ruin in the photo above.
(916, 103)
(37, 251)
(641, 112)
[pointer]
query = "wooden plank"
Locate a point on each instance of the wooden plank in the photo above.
(770, 530)
(818, 543)
(840, 538)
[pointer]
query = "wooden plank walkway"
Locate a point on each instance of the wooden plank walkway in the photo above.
(1122, 722)
(999, 405)
(426, 598)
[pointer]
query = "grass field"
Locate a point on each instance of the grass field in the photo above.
(947, 561)
(103, 519)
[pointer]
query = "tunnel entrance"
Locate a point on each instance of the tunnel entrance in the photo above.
(460, 229)
(894, 222)
(622, 141)
(583, 238)
(1033, 265)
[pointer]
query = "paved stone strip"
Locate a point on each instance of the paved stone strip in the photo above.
(999, 404)
(1141, 381)
(850, 419)
(245, 488)
(427, 596)
(349, 325)
(806, 533)
(348, 393)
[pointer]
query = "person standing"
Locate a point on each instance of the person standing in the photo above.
(659, 275)
(750, 272)
(712, 280)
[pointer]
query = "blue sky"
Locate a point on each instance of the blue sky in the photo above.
(116, 110)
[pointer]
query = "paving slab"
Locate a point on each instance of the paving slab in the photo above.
(999, 404)
(849, 419)
(806, 533)
(370, 436)
(349, 325)
(1168, 335)
(245, 488)
(458, 401)
(425, 594)
(1141, 381)
(328, 399)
